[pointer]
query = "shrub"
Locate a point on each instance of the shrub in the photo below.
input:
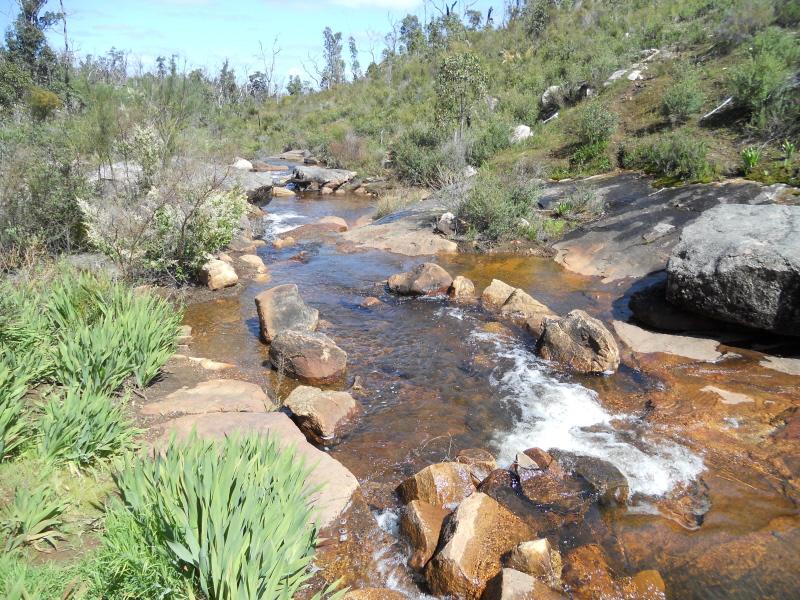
(235, 514)
(683, 98)
(33, 517)
(43, 103)
(496, 208)
(490, 139)
(170, 231)
(420, 158)
(743, 19)
(596, 124)
(676, 156)
(82, 428)
(751, 156)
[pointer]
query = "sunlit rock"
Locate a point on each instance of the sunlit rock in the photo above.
(579, 342)
(217, 274)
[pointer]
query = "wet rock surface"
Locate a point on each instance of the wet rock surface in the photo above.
(216, 395)
(423, 280)
(741, 264)
(322, 415)
(421, 524)
(442, 484)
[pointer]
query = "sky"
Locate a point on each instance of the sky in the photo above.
(203, 33)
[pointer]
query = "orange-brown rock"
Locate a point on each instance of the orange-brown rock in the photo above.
(462, 289)
(282, 309)
(538, 559)
(309, 356)
(579, 342)
(645, 585)
(588, 576)
(284, 242)
(471, 545)
(496, 294)
(321, 415)
(370, 302)
(339, 222)
(423, 280)
(217, 274)
(510, 584)
(442, 484)
(421, 524)
(480, 463)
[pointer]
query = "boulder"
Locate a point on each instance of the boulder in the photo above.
(308, 356)
(332, 483)
(446, 224)
(285, 242)
(282, 192)
(321, 415)
(254, 261)
(650, 308)
(496, 294)
(462, 289)
(242, 164)
(605, 479)
(443, 485)
(520, 133)
(647, 585)
(339, 222)
(740, 264)
(579, 342)
(511, 584)
(374, 594)
(215, 396)
(587, 574)
(421, 524)
(282, 309)
(320, 177)
(217, 274)
(423, 280)
(523, 306)
(370, 302)
(471, 545)
(538, 559)
(480, 463)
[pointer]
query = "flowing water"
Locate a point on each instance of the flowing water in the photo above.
(438, 378)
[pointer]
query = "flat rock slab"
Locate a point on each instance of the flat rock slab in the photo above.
(215, 396)
(790, 366)
(338, 484)
(727, 396)
(641, 225)
(646, 342)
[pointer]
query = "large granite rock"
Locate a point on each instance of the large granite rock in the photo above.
(741, 264)
(308, 356)
(421, 524)
(337, 484)
(214, 396)
(321, 414)
(423, 280)
(282, 309)
(441, 484)
(217, 274)
(471, 545)
(579, 342)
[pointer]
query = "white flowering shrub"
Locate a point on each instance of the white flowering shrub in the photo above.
(167, 232)
(143, 147)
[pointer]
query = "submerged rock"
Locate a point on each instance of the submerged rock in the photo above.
(284, 242)
(471, 545)
(321, 414)
(741, 264)
(308, 356)
(217, 274)
(606, 480)
(442, 484)
(579, 342)
(421, 524)
(339, 222)
(587, 574)
(282, 309)
(538, 559)
(423, 280)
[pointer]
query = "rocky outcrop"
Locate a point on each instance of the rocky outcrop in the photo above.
(217, 274)
(650, 308)
(282, 309)
(321, 415)
(423, 280)
(442, 484)
(647, 342)
(462, 289)
(309, 356)
(332, 483)
(579, 342)
(215, 396)
(421, 524)
(741, 264)
(471, 545)
(320, 178)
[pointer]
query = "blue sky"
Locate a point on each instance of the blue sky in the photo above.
(205, 32)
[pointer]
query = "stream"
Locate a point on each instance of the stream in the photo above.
(439, 377)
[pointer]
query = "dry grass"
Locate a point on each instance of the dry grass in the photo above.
(398, 199)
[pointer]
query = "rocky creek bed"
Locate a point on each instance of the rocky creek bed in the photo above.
(704, 431)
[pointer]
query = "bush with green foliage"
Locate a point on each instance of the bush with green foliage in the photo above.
(419, 158)
(487, 139)
(677, 156)
(498, 209)
(233, 515)
(684, 98)
(43, 103)
(596, 124)
(33, 517)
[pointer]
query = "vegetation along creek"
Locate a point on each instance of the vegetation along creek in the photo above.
(510, 313)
